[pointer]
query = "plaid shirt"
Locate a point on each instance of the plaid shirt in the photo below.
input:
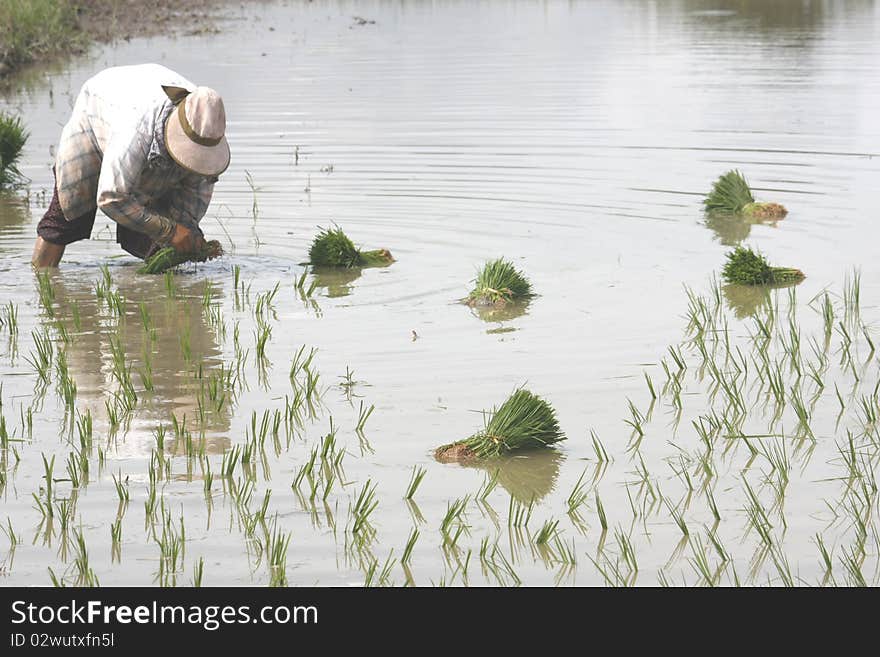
(112, 155)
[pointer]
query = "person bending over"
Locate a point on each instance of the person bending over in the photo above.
(145, 146)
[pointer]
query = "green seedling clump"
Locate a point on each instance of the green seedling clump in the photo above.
(12, 140)
(167, 258)
(731, 194)
(498, 284)
(745, 267)
(333, 248)
(523, 421)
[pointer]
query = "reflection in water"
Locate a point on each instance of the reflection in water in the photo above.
(779, 15)
(170, 351)
(14, 212)
(337, 281)
(502, 313)
(525, 139)
(732, 229)
(527, 476)
(745, 300)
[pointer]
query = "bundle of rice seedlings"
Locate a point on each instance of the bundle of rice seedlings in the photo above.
(523, 421)
(745, 267)
(167, 258)
(731, 194)
(499, 283)
(12, 140)
(333, 248)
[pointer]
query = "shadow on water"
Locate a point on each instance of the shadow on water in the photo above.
(502, 313)
(14, 213)
(527, 476)
(732, 229)
(170, 346)
(776, 16)
(337, 282)
(746, 300)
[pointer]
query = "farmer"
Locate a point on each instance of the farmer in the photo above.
(145, 146)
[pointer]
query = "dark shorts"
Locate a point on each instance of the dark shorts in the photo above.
(55, 228)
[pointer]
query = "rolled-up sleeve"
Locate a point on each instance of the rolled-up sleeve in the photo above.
(124, 160)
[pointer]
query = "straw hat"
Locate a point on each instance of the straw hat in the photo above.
(194, 131)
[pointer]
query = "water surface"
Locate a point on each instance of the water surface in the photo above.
(576, 139)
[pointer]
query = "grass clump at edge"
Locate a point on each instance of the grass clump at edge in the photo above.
(167, 258)
(30, 30)
(13, 137)
(746, 267)
(731, 194)
(498, 283)
(523, 421)
(333, 248)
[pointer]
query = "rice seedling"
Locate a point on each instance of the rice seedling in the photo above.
(42, 359)
(637, 419)
(852, 286)
(870, 342)
(827, 557)
(852, 562)
(454, 512)
(678, 517)
(306, 293)
(73, 471)
(45, 506)
(9, 318)
(549, 530)
(365, 505)
(626, 550)
(650, 385)
(713, 506)
(519, 514)
(172, 548)
(168, 258)
(121, 488)
(757, 516)
(47, 292)
(600, 511)
(13, 137)
(523, 421)
(116, 540)
(363, 416)
(731, 194)
(802, 412)
(497, 284)
(747, 267)
(333, 248)
(489, 484)
(415, 481)
(410, 544)
(85, 576)
(578, 495)
(262, 336)
(116, 304)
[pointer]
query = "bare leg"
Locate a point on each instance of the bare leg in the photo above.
(46, 254)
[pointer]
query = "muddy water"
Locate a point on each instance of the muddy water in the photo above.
(577, 140)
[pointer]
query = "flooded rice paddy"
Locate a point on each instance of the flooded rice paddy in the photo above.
(236, 423)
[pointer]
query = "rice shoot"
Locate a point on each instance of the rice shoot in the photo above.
(746, 267)
(523, 421)
(731, 194)
(167, 258)
(499, 283)
(12, 140)
(333, 248)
